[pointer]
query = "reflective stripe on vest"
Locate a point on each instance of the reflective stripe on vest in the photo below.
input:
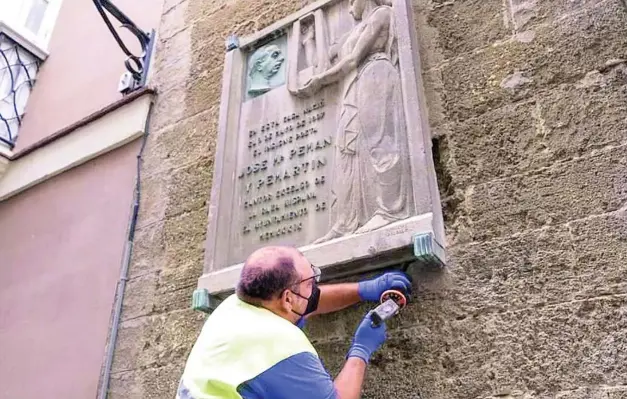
(237, 343)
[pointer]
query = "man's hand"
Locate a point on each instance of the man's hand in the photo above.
(367, 339)
(371, 290)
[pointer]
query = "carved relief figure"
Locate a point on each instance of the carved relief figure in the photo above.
(309, 36)
(372, 184)
(264, 64)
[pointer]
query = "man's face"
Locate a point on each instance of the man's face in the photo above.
(306, 272)
(273, 62)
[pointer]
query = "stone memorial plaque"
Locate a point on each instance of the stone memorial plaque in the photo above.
(323, 144)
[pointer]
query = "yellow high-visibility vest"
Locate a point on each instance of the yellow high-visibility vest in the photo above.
(238, 342)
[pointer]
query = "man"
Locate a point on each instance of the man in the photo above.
(264, 64)
(253, 347)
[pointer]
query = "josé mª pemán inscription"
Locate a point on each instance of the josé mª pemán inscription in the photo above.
(323, 142)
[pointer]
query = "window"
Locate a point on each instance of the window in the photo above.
(33, 19)
(25, 30)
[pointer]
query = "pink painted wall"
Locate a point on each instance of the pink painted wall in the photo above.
(82, 72)
(61, 245)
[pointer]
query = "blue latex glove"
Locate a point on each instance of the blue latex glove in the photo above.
(367, 339)
(371, 290)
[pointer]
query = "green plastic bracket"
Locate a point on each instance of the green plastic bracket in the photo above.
(202, 301)
(428, 251)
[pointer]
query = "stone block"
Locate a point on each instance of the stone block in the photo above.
(169, 4)
(156, 341)
(582, 261)
(564, 192)
(150, 383)
(554, 54)
(176, 241)
(497, 353)
(184, 238)
(148, 250)
(463, 26)
(169, 109)
(176, 287)
(599, 248)
(203, 92)
(436, 102)
(189, 187)
(139, 296)
(336, 325)
(173, 72)
(161, 291)
(173, 20)
(173, 192)
(241, 17)
(497, 143)
(187, 142)
(584, 393)
(571, 120)
(172, 50)
(429, 50)
(153, 201)
(527, 14)
(619, 392)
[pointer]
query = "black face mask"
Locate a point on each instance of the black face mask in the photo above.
(312, 301)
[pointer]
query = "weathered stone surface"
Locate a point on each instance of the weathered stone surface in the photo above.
(559, 53)
(138, 296)
(236, 17)
(581, 261)
(184, 238)
(152, 202)
(191, 184)
(173, 56)
(569, 121)
(173, 20)
(497, 353)
(151, 383)
(161, 291)
(567, 191)
(184, 143)
(585, 393)
(527, 14)
(436, 102)
(156, 341)
(429, 51)
(467, 25)
(168, 108)
(148, 250)
(175, 241)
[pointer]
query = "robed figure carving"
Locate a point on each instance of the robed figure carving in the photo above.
(372, 180)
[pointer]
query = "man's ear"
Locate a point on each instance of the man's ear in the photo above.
(258, 64)
(287, 301)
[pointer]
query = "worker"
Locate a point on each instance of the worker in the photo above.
(253, 346)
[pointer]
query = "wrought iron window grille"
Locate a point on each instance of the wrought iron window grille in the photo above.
(18, 69)
(137, 66)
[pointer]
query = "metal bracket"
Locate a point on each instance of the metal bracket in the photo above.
(136, 65)
(232, 42)
(428, 251)
(202, 301)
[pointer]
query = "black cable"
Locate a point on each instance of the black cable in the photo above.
(128, 251)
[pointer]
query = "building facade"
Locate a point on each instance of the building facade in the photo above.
(68, 153)
(526, 109)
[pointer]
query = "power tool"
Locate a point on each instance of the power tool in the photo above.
(391, 303)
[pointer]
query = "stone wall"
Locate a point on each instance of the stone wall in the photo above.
(528, 105)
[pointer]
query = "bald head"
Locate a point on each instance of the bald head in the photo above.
(268, 272)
